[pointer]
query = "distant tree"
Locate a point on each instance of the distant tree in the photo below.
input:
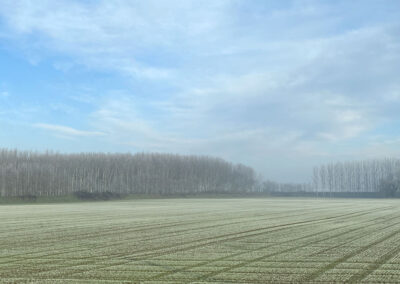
(50, 174)
(390, 185)
(379, 175)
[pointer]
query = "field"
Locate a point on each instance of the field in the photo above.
(202, 240)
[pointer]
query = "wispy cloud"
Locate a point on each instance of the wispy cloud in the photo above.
(4, 94)
(115, 35)
(67, 131)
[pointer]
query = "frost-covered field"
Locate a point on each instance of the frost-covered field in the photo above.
(202, 240)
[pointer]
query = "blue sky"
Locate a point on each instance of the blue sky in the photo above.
(277, 85)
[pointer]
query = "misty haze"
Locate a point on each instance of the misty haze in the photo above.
(229, 141)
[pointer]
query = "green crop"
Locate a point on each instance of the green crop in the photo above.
(202, 240)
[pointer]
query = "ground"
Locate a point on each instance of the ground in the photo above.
(263, 240)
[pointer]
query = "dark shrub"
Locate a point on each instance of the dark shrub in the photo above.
(105, 195)
(389, 186)
(28, 197)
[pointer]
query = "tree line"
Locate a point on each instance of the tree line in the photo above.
(269, 186)
(27, 173)
(53, 174)
(365, 178)
(355, 176)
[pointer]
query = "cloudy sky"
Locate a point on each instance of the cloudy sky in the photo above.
(277, 85)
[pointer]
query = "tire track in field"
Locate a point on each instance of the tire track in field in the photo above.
(281, 227)
(344, 258)
(124, 261)
(80, 235)
(96, 268)
(196, 214)
(220, 236)
(112, 231)
(74, 221)
(85, 263)
(238, 233)
(204, 263)
(374, 266)
(248, 233)
(281, 252)
(232, 236)
(348, 241)
(269, 246)
(135, 230)
(55, 280)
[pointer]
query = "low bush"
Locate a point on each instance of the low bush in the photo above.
(105, 195)
(28, 197)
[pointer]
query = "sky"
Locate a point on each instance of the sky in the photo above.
(280, 86)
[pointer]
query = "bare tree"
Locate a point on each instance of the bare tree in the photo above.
(356, 176)
(52, 174)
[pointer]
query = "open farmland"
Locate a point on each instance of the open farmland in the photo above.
(201, 240)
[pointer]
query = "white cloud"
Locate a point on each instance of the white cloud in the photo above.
(67, 131)
(62, 107)
(113, 35)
